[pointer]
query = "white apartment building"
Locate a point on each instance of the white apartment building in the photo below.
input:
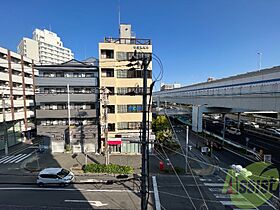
(17, 88)
(45, 47)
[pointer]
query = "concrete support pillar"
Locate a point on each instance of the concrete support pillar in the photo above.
(197, 112)
(238, 119)
(278, 118)
(158, 101)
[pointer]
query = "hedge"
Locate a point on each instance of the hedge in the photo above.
(110, 169)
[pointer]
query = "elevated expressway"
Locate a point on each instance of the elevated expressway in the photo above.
(252, 91)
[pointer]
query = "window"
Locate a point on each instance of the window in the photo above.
(59, 74)
(132, 73)
(130, 91)
(111, 126)
(46, 74)
(129, 108)
(75, 74)
(107, 54)
(107, 72)
(129, 125)
(112, 90)
(122, 56)
(89, 75)
(111, 108)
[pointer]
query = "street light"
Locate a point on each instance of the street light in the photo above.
(187, 147)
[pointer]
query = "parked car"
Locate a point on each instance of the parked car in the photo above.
(58, 176)
(252, 124)
(274, 131)
(233, 131)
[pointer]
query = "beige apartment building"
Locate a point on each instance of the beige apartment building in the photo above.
(125, 87)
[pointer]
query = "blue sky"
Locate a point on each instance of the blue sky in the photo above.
(195, 39)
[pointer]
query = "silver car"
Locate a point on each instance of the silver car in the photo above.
(58, 176)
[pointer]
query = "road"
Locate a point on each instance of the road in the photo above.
(125, 195)
(210, 185)
(257, 140)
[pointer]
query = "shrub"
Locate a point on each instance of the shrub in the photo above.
(111, 169)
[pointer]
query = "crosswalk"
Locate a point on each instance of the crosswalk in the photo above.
(216, 185)
(14, 159)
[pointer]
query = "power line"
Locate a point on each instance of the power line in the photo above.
(179, 178)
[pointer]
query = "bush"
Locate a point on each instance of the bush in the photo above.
(111, 169)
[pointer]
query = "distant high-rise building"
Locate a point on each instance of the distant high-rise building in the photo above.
(45, 47)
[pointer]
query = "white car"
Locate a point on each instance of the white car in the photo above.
(59, 176)
(234, 131)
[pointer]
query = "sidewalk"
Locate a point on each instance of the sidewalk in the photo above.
(20, 146)
(75, 162)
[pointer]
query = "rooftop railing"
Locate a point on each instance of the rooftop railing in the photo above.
(128, 41)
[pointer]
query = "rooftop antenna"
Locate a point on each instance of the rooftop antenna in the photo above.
(119, 13)
(50, 27)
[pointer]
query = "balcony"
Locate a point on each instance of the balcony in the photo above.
(63, 81)
(128, 41)
(63, 97)
(62, 114)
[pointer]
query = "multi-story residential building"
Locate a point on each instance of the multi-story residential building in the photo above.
(71, 83)
(17, 94)
(45, 47)
(125, 87)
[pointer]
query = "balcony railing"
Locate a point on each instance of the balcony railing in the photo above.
(128, 41)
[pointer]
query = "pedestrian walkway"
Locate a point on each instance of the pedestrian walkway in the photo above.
(14, 159)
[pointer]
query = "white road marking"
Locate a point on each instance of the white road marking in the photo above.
(227, 196)
(215, 184)
(205, 180)
(21, 155)
(8, 157)
(215, 189)
(23, 158)
(236, 203)
(156, 195)
(15, 157)
(93, 203)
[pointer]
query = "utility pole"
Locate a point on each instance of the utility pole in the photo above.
(5, 125)
(145, 64)
(105, 101)
(187, 147)
(69, 113)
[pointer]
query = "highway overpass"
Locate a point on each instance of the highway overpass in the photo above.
(252, 91)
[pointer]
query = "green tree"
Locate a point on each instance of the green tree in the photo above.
(160, 123)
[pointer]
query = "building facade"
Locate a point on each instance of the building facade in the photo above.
(125, 88)
(45, 47)
(72, 83)
(17, 110)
